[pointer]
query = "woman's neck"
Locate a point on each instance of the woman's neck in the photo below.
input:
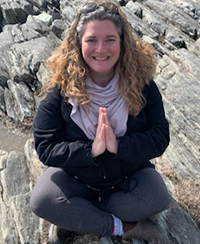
(102, 79)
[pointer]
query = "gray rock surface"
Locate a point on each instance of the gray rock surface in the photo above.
(29, 31)
(16, 11)
(18, 223)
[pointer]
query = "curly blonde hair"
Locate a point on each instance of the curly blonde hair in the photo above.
(136, 65)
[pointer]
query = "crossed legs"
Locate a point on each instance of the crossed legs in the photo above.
(66, 202)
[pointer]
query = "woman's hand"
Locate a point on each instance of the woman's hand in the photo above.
(99, 144)
(105, 137)
(111, 141)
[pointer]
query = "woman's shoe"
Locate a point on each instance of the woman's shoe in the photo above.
(146, 230)
(57, 235)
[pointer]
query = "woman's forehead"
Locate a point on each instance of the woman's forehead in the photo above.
(100, 27)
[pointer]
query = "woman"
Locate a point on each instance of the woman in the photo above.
(99, 125)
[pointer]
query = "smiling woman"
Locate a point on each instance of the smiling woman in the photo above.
(101, 49)
(99, 125)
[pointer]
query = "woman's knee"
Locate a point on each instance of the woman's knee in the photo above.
(156, 193)
(44, 192)
(159, 191)
(150, 194)
(38, 203)
(164, 198)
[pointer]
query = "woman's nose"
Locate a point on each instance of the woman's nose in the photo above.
(100, 47)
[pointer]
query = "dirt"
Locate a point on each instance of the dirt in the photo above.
(12, 140)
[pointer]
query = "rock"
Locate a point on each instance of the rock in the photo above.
(3, 159)
(14, 174)
(34, 164)
(176, 38)
(1, 20)
(135, 8)
(175, 16)
(16, 12)
(156, 23)
(28, 228)
(47, 5)
(23, 100)
(31, 54)
(4, 72)
(6, 36)
(140, 28)
(45, 18)
(29, 46)
(9, 104)
(177, 77)
(172, 221)
(189, 7)
(2, 100)
(23, 48)
(14, 202)
(198, 42)
(38, 24)
(42, 74)
(58, 27)
(68, 13)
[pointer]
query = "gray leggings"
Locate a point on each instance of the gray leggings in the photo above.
(68, 203)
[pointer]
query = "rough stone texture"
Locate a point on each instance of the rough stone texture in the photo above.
(16, 11)
(3, 159)
(23, 100)
(18, 224)
(176, 16)
(29, 31)
(172, 221)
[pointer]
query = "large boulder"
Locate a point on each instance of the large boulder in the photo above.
(18, 224)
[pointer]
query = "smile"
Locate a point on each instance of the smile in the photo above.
(101, 58)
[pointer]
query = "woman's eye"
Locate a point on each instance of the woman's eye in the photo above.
(111, 40)
(90, 40)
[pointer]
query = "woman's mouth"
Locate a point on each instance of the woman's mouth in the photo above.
(101, 58)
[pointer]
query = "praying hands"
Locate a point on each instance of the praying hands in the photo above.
(105, 137)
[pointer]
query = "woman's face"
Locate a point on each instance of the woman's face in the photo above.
(100, 47)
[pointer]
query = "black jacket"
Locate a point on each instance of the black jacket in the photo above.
(59, 142)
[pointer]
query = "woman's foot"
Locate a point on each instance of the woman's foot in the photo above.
(57, 235)
(145, 230)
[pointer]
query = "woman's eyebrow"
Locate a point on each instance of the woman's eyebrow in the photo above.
(91, 35)
(111, 36)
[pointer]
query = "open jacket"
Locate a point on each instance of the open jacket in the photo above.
(59, 142)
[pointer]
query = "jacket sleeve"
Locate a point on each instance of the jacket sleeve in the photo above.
(140, 147)
(49, 136)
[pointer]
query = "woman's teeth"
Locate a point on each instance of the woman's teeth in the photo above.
(101, 58)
